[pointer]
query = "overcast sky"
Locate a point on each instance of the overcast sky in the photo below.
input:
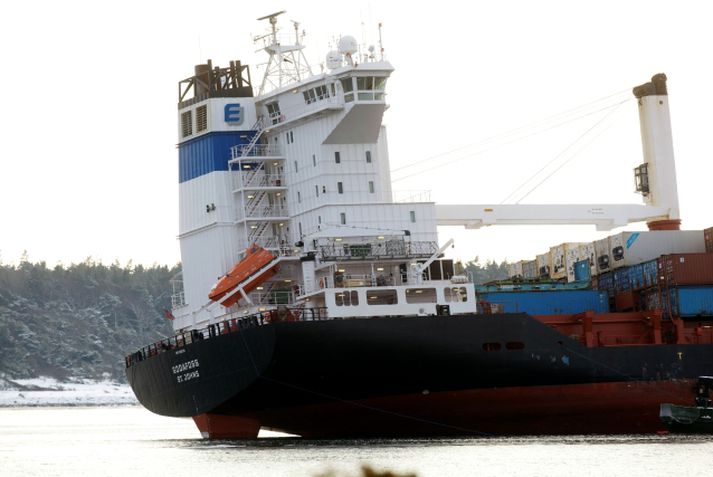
(89, 165)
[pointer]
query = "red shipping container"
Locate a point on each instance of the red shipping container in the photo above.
(625, 301)
(686, 269)
(708, 237)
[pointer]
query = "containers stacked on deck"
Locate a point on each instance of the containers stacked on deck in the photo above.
(668, 270)
(685, 285)
(629, 267)
(557, 264)
(631, 248)
(608, 254)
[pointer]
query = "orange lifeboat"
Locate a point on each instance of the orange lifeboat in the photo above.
(255, 259)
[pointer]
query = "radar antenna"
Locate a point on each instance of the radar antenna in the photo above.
(287, 63)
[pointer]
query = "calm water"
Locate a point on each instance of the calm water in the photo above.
(130, 441)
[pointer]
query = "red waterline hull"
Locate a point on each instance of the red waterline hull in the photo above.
(600, 408)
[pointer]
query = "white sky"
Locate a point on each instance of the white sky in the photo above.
(88, 160)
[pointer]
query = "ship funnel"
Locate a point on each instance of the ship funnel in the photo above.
(202, 76)
(656, 177)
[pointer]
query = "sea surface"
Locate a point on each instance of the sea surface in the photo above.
(130, 441)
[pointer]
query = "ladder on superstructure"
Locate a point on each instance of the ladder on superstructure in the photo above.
(259, 128)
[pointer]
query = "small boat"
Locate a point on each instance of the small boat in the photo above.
(696, 419)
(249, 272)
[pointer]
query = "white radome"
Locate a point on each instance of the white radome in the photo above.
(334, 60)
(348, 45)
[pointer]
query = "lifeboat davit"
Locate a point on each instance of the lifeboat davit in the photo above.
(256, 258)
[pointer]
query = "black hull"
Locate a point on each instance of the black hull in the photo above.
(418, 376)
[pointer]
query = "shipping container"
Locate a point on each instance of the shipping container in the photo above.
(651, 299)
(631, 248)
(529, 270)
(563, 257)
(686, 269)
(515, 270)
(687, 302)
(621, 280)
(587, 250)
(643, 275)
(626, 301)
(601, 254)
(636, 277)
(605, 282)
(708, 238)
(544, 265)
(582, 271)
(548, 302)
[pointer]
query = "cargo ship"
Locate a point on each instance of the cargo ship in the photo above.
(311, 301)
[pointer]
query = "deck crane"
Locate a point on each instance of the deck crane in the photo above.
(655, 180)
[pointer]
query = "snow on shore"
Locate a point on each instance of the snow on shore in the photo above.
(44, 391)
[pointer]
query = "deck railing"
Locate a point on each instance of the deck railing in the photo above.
(232, 325)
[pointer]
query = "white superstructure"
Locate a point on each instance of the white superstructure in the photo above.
(301, 170)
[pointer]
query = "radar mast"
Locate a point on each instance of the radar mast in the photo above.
(287, 63)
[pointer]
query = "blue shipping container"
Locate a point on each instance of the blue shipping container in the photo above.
(686, 301)
(644, 275)
(582, 271)
(636, 277)
(692, 301)
(605, 282)
(549, 302)
(622, 282)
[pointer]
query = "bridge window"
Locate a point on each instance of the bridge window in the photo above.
(412, 215)
(371, 88)
(273, 112)
(316, 94)
(368, 157)
(513, 345)
(348, 87)
(321, 92)
(371, 187)
(421, 295)
(309, 96)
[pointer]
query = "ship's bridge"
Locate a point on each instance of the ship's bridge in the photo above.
(358, 91)
(365, 82)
